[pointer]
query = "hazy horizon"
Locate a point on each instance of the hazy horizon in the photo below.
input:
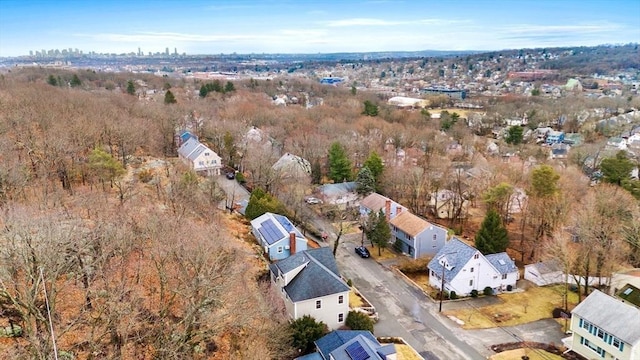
(288, 27)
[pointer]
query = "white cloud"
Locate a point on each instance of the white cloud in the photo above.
(382, 22)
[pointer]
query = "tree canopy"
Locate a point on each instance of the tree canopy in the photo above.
(492, 237)
(305, 331)
(544, 182)
(370, 109)
(261, 202)
(339, 163)
(359, 321)
(616, 169)
(169, 98)
(131, 88)
(365, 183)
(375, 165)
(104, 166)
(378, 231)
(514, 135)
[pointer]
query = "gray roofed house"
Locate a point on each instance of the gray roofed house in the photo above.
(544, 273)
(311, 285)
(199, 157)
(350, 345)
(333, 340)
(343, 193)
(277, 235)
(466, 269)
(605, 326)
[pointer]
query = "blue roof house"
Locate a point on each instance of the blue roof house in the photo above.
(465, 269)
(278, 236)
(310, 284)
(554, 137)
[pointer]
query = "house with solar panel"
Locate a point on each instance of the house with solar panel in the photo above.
(466, 269)
(199, 157)
(310, 284)
(351, 345)
(277, 235)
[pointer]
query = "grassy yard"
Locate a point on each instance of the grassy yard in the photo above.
(384, 255)
(406, 352)
(518, 308)
(355, 301)
(517, 354)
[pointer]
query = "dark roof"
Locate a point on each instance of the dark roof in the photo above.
(611, 315)
(274, 227)
(337, 338)
(320, 277)
(455, 254)
(312, 356)
(630, 294)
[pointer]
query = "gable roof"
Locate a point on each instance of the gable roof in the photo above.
(362, 348)
(456, 255)
(188, 147)
(374, 202)
(332, 190)
(409, 223)
(320, 276)
(502, 262)
(611, 315)
(292, 165)
(337, 338)
(274, 227)
(546, 267)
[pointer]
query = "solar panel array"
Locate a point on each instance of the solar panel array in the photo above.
(270, 232)
(356, 351)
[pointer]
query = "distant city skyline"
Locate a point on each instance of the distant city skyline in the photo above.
(285, 26)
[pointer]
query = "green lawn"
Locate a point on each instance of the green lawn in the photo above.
(517, 354)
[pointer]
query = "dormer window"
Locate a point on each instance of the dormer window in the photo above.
(476, 256)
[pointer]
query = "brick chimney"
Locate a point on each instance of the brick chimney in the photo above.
(292, 243)
(387, 209)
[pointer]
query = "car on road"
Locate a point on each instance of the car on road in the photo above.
(312, 200)
(230, 175)
(362, 251)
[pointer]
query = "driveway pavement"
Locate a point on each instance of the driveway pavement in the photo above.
(406, 311)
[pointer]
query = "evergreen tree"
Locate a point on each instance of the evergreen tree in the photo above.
(514, 135)
(169, 98)
(339, 164)
(131, 88)
(365, 183)
(229, 87)
(370, 109)
(75, 81)
(203, 91)
(104, 166)
(52, 80)
(261, 202)
(617, 169)
(359, 321)
(492, 237)
(375, 165)
(306, 330)
(378, 231)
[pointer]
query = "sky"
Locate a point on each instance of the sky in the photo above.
(312, 26)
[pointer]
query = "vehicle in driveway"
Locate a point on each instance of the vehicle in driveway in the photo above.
(313, 200)
(362, 251)
(230, 175)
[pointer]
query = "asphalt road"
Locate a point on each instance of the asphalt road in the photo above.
(403, 310)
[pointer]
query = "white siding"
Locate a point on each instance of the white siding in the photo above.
(328, 313)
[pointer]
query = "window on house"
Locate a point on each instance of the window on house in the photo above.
(471, 282)
(616, 342)
(318, 304)
(280, 249)
(471, 270)
(201, 163)
(340, 299)
(340, 317)
(600, 334)
(476, 256)
(206, 154)
(435, 237)
(504, 276)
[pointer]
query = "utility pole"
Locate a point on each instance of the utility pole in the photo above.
(441, 289)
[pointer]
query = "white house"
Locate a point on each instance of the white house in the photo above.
(292, 166)
(310, 284)
(278, 236)
(199, 157)
(466, 269)
(445, 203)
(604, 327)
(544, 273)
(349, 345)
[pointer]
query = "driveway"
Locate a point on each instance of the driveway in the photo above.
(407, 312)
(235, 193)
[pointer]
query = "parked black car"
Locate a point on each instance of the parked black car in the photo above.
(231, 175)
(363, 252)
